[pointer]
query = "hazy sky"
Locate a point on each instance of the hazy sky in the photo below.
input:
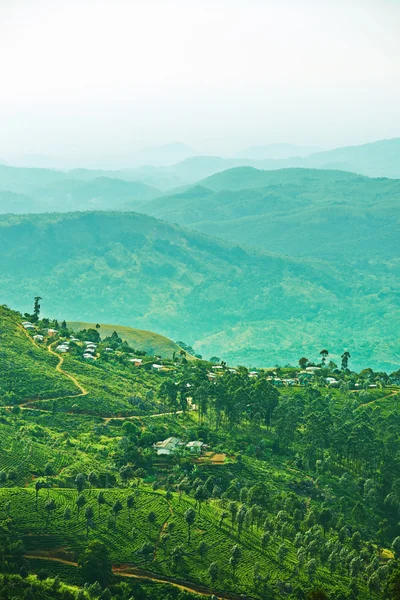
(103, 77)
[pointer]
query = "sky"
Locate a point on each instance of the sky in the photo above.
(102, 78)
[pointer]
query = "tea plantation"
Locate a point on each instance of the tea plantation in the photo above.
(294, 491)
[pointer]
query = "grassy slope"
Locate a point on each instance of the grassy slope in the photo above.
(150, 342)
(28, 374)
(123, 545)
(26, 371)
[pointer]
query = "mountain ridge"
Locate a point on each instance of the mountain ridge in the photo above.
(219, 297)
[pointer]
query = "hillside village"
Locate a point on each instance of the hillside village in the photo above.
(91, 351)
(181, 433)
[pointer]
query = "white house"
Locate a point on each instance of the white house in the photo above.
(38, 338)
(157, 367)
(136, 361)
(62, 348)
(168, 446)
(29, 326)
(194, 447)
(88, 356)
(312, 369)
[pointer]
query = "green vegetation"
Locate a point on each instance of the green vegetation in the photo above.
(246, 306)
(295, 491)
(27, 372)
(152, 343)
(338, 216)
(41, 190)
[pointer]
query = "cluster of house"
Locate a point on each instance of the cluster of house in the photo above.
(219, 369)
(173, 444)
(301, 378)
(90, 350)
(38, 338)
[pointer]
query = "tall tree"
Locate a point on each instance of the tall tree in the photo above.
(324, 354)
(89, 519)
(213, 571)
(36, 307)
(345, 359)
(303, 361)
(80, 482)
(49, 506)
(233, 509)
(93, 479)
(100, 500)
(130, 502)
(117, 507)
(190, 517)
(95, 564)
(80, 503)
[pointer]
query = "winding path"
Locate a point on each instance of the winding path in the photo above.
(83, 391)
(392, 393)
(59, 369)
(138, 573)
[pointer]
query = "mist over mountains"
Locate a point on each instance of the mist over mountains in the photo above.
(309, 257)
(177, 164)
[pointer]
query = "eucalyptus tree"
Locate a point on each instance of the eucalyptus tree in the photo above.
(101, 500)
(130, 502)
(116, 509)
(190, 517)
(80, 502)
(80, 481)
(89, 513)
(50, 506)
(213, 572)
(233, 509)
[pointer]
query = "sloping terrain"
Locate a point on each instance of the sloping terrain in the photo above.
(27, 371)
(252, 306)
(45, 190)
(148, 341)
(333, 215)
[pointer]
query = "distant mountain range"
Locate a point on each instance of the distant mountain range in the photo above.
(250, 307)
(43, 190)
(166, 155)
(277, 151)
(173, 165)
(316, 265)
(334, 215)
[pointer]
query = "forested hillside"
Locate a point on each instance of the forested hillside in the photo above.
(42, 190)
(279, 483)
(333, 215)
(250, 307)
